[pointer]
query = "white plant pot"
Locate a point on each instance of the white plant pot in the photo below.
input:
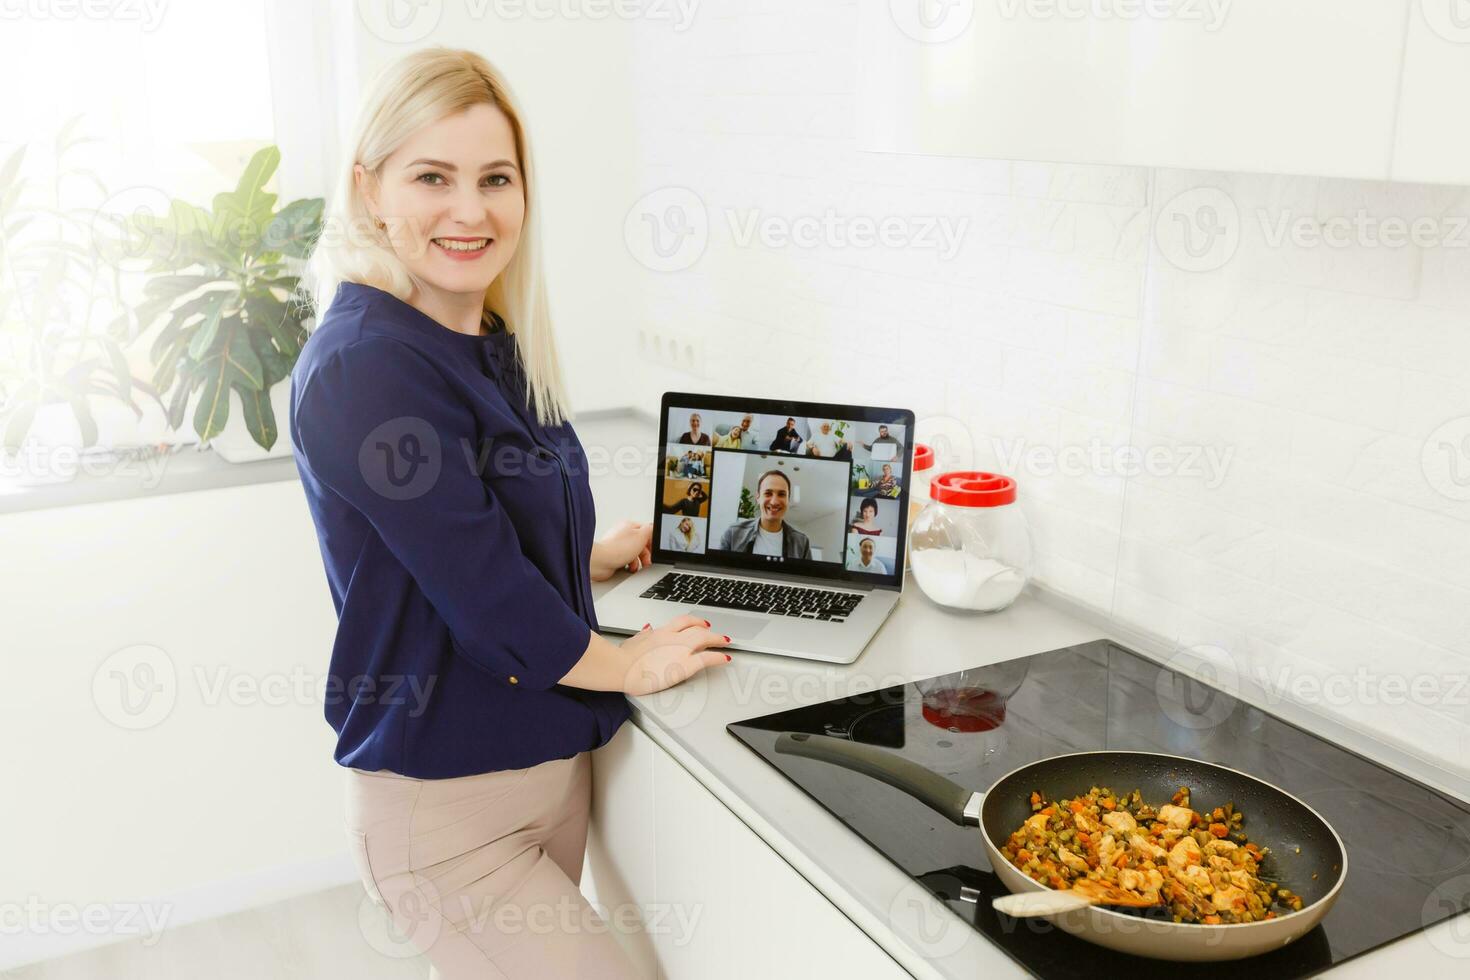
(119, 428)
(50, 452)
(236, 445)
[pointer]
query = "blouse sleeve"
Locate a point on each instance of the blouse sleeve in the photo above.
(378, 424)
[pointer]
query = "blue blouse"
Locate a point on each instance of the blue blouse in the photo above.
(457, 537)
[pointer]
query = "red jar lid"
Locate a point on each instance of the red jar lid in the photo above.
(972, 488)
(923, 457)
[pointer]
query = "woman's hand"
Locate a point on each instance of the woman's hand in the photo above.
(672, 653)
(629, 545)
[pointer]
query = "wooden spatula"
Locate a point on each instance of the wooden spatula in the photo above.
(1084, 892)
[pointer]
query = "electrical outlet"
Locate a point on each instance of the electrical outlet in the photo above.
(666, 350)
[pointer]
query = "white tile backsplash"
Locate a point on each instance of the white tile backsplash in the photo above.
(1291, 385)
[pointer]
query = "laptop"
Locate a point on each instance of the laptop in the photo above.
(781, 522)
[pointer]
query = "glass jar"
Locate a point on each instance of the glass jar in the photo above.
(970, 547)
(923, 468)
(958, 721)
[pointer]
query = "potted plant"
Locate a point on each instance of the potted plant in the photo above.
(225, 290)
(746, 508)
(56, 292)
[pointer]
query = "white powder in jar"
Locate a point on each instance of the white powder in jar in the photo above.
(966, 581)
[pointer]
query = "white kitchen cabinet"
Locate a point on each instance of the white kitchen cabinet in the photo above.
(1433, 144)
(723, 903)
(1302, 87)
(619, 870)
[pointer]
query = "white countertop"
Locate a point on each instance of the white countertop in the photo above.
(919, 640)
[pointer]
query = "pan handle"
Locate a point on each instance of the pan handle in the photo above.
(960, 805)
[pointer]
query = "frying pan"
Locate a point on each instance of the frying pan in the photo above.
(1306, 855)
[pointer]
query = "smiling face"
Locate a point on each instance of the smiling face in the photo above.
(866, 549)
(454, 203)
(773, 492)
(868, 511)
(685, 526)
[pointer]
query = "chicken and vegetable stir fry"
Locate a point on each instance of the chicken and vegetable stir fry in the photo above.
(1197, 866)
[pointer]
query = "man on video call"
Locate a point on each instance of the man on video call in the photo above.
(769, 534)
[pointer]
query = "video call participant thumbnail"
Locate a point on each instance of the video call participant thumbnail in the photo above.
(769, 533)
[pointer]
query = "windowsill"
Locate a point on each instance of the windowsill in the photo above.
(184, 470)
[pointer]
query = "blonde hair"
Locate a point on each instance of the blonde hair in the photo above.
(419, 89)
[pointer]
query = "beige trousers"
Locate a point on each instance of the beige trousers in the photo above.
(480, 873)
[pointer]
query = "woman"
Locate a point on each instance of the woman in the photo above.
(450, 497)
(682, 537)
(694, 437)
(691, 503)
(887, 484)
(867, 520)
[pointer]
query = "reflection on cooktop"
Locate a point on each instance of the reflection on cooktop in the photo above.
(1408, 845)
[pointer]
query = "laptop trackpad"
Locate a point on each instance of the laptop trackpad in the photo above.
(734, 626)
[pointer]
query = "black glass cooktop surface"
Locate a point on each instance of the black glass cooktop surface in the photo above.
(1408, 844)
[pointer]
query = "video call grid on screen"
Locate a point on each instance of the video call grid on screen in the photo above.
(833, 478)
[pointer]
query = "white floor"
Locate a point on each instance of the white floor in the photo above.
(308, 938)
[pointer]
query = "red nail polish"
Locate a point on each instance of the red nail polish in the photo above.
(727, 656)
(707, 623)
(727, 639)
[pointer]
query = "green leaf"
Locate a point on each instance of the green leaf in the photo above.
(260, 417)
(213, 410)
(240, 362)
(64, 140)
(19, 223)
(234, 365)
(121, 373)
(9, 169)
(45, 295)
(181, 314)
(276, 366)
(177, 240)
(244, 213)
(177, 404)
(204, 337)
(165, 365)
(294, 230)
(275, 317)
(173, 286)
(118, 328)
(161, 292)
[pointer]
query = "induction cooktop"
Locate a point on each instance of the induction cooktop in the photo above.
(1408, 844)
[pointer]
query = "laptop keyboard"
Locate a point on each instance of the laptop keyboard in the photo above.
(747, 595)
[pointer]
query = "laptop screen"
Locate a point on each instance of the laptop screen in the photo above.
(796, 487)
